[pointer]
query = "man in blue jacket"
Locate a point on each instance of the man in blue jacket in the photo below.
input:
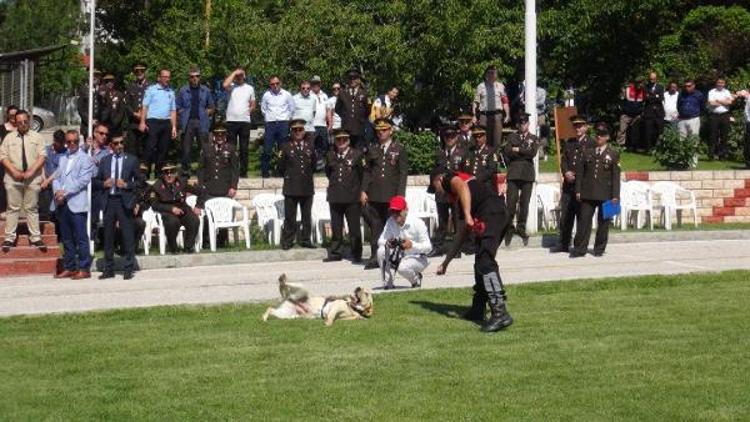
(71, 204)
(195, 105)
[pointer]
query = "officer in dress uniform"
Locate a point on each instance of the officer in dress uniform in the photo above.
(571, 154)
(133, 102)
(296, 164)
(353, 107)
(451, 157)
(597, 181)
(83, 103)
(386, 169)
(520, 151)
(113, 112)
(167, 197)
(465, 140)
(344, 168)
(482, 161)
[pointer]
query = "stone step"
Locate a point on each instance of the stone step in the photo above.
(48, 239)
(30, 252)
(45, 227)
(21, 267)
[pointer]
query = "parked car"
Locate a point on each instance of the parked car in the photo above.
(42, 118)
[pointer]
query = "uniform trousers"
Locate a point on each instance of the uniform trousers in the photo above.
(519, 195)
(75, 239)
(410, 267)
(718, 125)
(172, 224)
(487, 282)
(116, 213)
(191, 134)
(568, 212)
(289, 231)
(238, 133)
(159, 134)
(375, 215)
(22, 196)
(352, 212)
(583, 232)
(137, 141)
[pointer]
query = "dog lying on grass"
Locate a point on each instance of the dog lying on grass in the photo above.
(297, 303)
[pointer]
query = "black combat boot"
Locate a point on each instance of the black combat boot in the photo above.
(499, 319)
(476, 313)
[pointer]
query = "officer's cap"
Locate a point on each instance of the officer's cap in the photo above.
(602, 129)
(523, 118)
(478, 130)
(297, 123)
(139, 66)
(168, 167)
(340, 134)
(383, 124)
(220, 128)
(315, 80)
(97, 72)
(354, 74)
(577, 120)
(450, 130)
(465, 118)
(108, 77)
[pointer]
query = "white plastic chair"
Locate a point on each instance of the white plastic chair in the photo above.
(321, 214)
(191, 202)
(221, 215)
(674, 198)
(422, 205)
(547, 197)
(635, 196)
(269, 219)
(149, 216)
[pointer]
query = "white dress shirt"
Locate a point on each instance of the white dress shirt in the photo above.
(718, 95)
(321, 109)
(413, 229)
(304, 108)
(670, 106)
(336, 118)
(277, 107)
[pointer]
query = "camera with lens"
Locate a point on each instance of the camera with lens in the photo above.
(396, 242)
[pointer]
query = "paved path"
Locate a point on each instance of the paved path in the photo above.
(256, 282)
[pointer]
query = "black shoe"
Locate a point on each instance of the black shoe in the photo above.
(499, 319)
(265, 175)
(286, 247)
(357, 260)
(39, 244)
(598, 254)
(435, 253)
(332, 259)
(508, 238)
(128, 275)
(476, 312)
(372, 264)
(575, 254)
(560, 249)
(7, 245)
(308, 246)
(418, 283)
(525, 240)
(107, 274)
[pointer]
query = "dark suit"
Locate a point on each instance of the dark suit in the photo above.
(597, 181)
(570, 156)
(453, 160)
(296, 165)
(653, 114)
(344, 183)
(520, 178)
(384, 177)
(118, 207)
(353, 108)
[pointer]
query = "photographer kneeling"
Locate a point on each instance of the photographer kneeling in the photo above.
(403, 246)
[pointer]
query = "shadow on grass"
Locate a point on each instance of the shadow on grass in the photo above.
(448, 310)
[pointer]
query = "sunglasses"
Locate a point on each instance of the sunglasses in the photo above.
(116, 143)
(195, 76)
(298, 129)
(336, 88)
(168, 172)
(305, 88)
(99, 132)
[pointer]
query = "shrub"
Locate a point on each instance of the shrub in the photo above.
(420, 146)
(674, 152)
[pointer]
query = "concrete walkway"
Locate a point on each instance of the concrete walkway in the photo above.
(257, 281)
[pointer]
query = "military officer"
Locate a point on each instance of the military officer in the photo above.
(571, 154)
(133, 102)
(113, 112)
(344, 168)
(482, 161)
(450, 157)
(597, 181)
(386, 169)
(353, 107)
(83, 103)
(465, 140)
(167, 197)
(520, 151)
(296, 164)
(218, 175)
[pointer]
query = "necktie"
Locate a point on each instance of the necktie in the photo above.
(117, 170)
(24, 163)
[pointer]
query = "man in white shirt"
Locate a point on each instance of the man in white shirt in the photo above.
(277, 106)
(239, 109)
(304, 108)
(403, 246)
(320, 120)
(492, 105)
(334, 120)
(671, 115)
(719, 101)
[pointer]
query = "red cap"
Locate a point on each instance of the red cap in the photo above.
(398, 203)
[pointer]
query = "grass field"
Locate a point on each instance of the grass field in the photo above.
(637, 161)
(648, 348)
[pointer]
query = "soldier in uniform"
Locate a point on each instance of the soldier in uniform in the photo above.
(465, 140)
(353, 107)
(83, 103)
(167, 197)
(520, 151)
(571, 154)
(296, 164)
(344, 168)
(597, 181)
(133, 102)
(482, 161)
(386, 169)
(113, 112)
(451, 157)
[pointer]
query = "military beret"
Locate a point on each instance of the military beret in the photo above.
(340, 134)
(297, 123)
(577, 120)
(383, 124)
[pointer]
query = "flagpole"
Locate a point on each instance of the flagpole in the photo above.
(530, 99)
(92, 11)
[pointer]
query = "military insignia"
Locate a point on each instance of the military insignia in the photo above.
(348, 162)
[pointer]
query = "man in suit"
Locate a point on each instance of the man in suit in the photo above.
(352, 106)
(450, 157)
(653, 113)
(297, 164)
(118, 177)
(571, 154)
(597, 181)
(344, 168)
(520, 151)
(386, 169)
(71, 205)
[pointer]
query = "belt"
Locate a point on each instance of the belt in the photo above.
(490, 113)
(720, 114)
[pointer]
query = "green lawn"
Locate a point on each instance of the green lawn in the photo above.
(634, 161)
(648, 348)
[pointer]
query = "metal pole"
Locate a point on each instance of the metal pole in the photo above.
(92, 11)
(530, 99)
